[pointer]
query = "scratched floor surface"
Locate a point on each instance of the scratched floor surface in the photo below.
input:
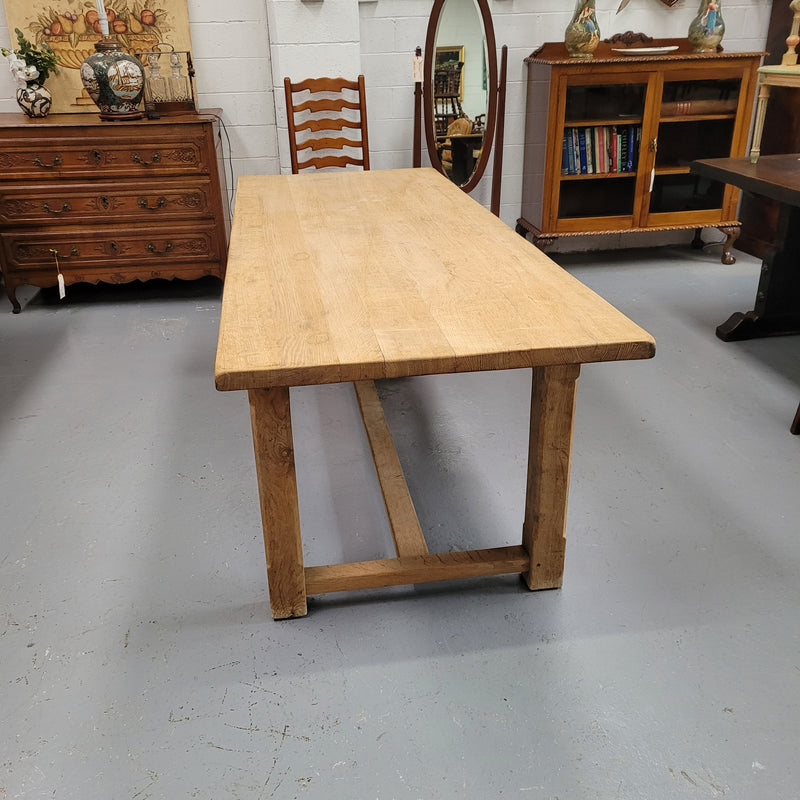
(137, 656)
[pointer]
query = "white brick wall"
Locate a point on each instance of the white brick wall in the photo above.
(242, 49)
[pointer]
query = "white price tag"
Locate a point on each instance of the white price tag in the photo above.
(62, 290)
(416, 69)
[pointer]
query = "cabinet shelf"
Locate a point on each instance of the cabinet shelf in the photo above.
(596, 175)
(602, 122)
(710, 96)
(674, 170)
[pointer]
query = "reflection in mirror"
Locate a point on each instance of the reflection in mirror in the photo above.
(460, 89)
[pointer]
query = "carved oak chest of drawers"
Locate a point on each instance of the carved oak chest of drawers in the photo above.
(110, 201)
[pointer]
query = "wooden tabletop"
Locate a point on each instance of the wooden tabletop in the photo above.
(352, 275)
(776, 177)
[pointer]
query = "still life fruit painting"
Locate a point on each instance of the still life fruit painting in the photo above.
(72, 29)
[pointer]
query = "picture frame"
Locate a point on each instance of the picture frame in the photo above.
(448, 55)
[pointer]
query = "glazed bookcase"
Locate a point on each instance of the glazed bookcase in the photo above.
(666, 110)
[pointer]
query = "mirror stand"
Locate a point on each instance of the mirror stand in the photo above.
(497, 168)
(458, 146)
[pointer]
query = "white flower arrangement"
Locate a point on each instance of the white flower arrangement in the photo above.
(30, 63)
(20, 71)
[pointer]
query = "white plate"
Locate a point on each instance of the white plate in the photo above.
(641, 51)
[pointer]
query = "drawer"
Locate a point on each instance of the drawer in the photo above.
(49, 157)
(135, 200)
(101, 247)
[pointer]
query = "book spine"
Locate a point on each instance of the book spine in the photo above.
(582, 149)
(601, 146)
(623, 149)
(589, 151)
(614, 150)
(564, 154)
(631, 147)
(570, 151)
(577, 151)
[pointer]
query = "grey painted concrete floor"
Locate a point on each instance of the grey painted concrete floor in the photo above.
(137, 656)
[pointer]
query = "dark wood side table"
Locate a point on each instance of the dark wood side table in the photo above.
(759, 214)
(777, 306)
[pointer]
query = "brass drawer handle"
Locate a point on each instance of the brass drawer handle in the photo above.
(152, 248)
(160, 203)
(137, 159)
(64, 207)
(56, 162)
(73, 253)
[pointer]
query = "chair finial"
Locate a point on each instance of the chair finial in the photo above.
(793, 39)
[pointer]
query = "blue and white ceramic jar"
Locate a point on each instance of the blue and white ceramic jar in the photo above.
(114, 81)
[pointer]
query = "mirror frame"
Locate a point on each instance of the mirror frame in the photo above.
(491, 111)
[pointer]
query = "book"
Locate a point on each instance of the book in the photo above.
(596, 148)
(682, 108)
(623, 148)
(614, 149)
(602, 148)
(631, 146)
(582, 149)
(564, 154)
(570, 151)
(589, 151)
(577, 151)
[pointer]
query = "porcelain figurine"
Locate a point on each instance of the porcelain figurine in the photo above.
(707, 28)
(583, 33)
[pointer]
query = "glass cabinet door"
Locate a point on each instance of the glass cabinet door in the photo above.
(697, 120)
(601, 142)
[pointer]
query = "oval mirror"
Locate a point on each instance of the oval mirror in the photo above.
(460, 81)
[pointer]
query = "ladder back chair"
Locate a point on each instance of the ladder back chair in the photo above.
(308, 107)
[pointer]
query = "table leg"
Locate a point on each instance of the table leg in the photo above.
(777, 306)
(549, 452)
(271, 422)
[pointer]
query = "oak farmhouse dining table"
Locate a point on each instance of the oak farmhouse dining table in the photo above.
(356, 276)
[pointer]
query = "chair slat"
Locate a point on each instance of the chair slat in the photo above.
(325, 85)
(328, 143)
(331, 161)
(326, 104)
(327, 124)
